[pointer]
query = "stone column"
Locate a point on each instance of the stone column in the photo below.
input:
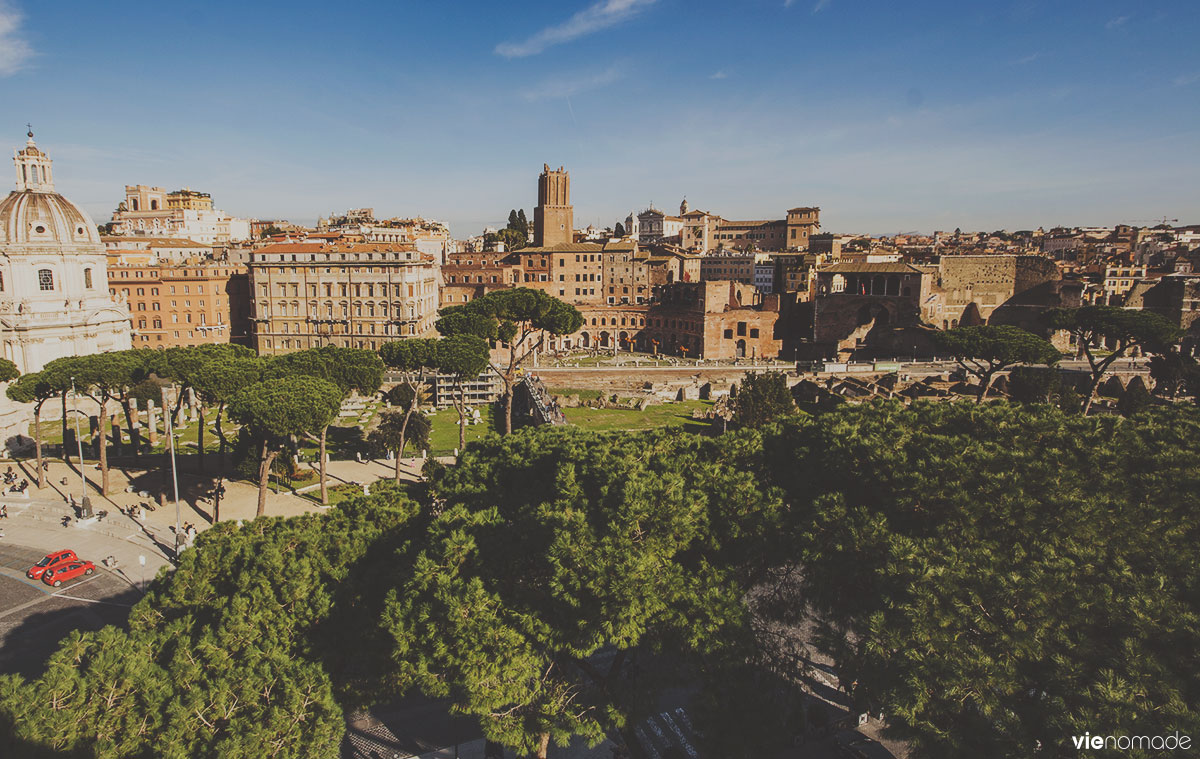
(135, 420)
(97, 438)
(118, 443)
(152, 421)
(190, 402)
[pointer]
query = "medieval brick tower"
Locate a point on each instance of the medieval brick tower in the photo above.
(553, 219)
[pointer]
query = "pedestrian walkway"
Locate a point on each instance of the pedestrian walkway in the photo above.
(50, 526)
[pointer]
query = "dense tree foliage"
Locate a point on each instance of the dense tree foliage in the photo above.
(1174, 373)
(411, 358)
(557, 547)
(225, 657)
(1107, 333)
(762, 397)
(8, 370)
(1001, 577)
(993, 578)
(36, 388)
(396, 430)
(985, 350)
(519, 319)
(275, 411)
(192, 368)
(463, 357)
(351, 370)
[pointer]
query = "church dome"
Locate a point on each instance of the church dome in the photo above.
(29, 217)
(34, 214)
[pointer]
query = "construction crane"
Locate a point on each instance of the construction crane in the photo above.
(1163, 220)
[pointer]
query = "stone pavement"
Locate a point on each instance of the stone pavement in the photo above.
(38, 523)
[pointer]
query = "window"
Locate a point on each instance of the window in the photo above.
(87, 279)
(45, 279)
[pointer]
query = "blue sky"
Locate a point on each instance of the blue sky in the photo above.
(889, 115)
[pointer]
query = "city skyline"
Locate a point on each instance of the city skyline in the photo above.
(921, 118)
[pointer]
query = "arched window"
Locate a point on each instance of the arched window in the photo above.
(34, 170)
(135, 204)
(154, 205)
(87, 280)
(45, 279)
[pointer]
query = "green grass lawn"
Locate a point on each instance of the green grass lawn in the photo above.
(443, 438)
(659, 415)
(344, 441)
(337, 493)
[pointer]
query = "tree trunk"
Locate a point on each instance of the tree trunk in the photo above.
(508, 403)
(543, 749)
(404, 428)
(460, 407)
(985, 383)
(217, 496)
(37, 443)
(321, 454)
(128, 410)
(264, 474)
(103, 446)
(1092, 387)
(200, 439)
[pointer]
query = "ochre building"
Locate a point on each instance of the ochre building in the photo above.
(356, 295)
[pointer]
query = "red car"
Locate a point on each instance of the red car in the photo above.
(50, 561)
(68, 571)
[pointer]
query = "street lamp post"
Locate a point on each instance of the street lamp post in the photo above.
(174, 471)
(85, 503)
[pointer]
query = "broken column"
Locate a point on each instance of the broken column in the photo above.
(152, 422)
(118, 443)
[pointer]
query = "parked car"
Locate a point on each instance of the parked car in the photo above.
(69, 571)
(49, 562)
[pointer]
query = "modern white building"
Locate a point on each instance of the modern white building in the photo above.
(54, 298)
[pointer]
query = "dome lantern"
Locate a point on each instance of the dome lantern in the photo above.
(33, 168)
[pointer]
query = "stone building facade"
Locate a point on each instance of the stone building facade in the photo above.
(356, 295)
(54, 296)
(988, 282)
(184, 213)
(194, 302)
(553, 218)
(862, 309)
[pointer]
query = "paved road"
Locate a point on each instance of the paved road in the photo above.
(34, 616)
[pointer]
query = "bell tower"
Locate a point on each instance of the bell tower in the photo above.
(33, 168)
(553, 219)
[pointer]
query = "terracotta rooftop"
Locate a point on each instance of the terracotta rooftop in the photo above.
(155, 242)
(348, 247)
(566, 247)
(866, 268)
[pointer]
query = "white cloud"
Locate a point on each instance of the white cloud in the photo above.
(821, 5)
(1117, 22)
(594, 18)
(14, 51)
(1027, 59)
(1184, 80)
(573, 84)
(722, 74)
